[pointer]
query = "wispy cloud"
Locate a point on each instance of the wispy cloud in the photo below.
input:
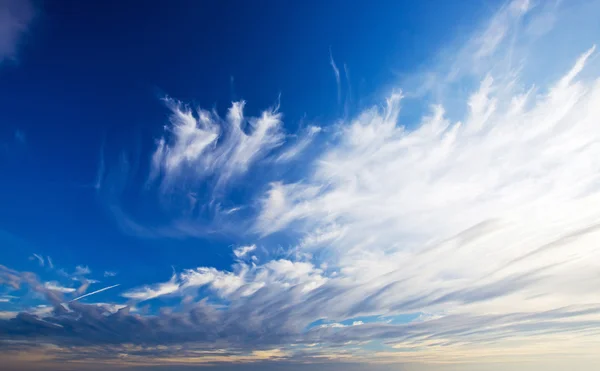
(81, 270)
(109, 274)
(301, 144)
(39, 258)
(202, 144)
(152, 291)
(336, 73)
(15, 19)
(242, 251)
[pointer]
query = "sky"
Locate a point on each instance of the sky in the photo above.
(279, 185)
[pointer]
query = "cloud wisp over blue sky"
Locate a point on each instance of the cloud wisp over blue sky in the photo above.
(441, 215)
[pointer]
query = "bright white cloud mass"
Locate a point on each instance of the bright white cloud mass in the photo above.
(469, 236)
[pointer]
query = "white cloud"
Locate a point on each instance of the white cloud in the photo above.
(487, 212)
(223, 283)
(81, 270)
(245, 280)
(109, 274)
(15, 19)
(322, 235)
(39, 258)
(502, 205)
(55, 286)
(241, 251)
(202, 144)
(499, 27)
(300, 145)
(152, 291)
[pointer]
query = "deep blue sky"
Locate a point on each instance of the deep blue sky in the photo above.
(90, 74)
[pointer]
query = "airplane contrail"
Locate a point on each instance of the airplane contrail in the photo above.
(95, 292)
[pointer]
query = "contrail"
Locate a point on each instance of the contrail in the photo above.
(95, 292)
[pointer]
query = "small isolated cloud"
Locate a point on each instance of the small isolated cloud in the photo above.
(81, 270)
(242, 251)
(15, 18)
(39, 259)
(109, 274)
(50, 263)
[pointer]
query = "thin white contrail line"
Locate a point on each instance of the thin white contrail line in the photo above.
(95, 292)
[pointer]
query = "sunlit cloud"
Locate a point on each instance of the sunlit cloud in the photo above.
(152, 291)
(200, 144)
(57, 287)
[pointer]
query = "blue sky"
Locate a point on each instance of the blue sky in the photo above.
(290, 183)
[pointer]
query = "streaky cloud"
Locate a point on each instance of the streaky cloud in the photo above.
(336, 73)
(39, 258)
